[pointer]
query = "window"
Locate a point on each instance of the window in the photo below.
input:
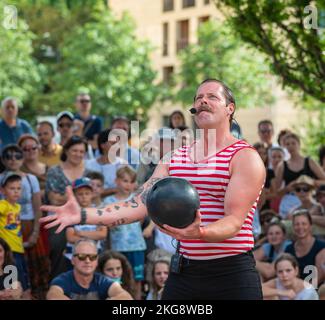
(203, 19)
(188, 3)
(182, 35)
(206, 1)
(168, 5)
(168, 74)
(165, 39)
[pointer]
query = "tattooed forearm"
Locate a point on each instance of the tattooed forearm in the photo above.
(134, 203)
(139, 191)
(99, 212)
(117, 223)
(146, 191)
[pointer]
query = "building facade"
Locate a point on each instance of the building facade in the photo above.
(170, 25)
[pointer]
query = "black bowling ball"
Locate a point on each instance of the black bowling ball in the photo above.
(173, 201)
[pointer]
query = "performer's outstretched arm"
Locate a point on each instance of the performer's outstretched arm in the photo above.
(112, 215)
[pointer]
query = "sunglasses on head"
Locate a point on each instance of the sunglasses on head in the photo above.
(84, 256)
(62, 125)
(11, 156)
(30, 149)
(302, 189)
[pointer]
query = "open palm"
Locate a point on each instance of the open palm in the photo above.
(66, 215)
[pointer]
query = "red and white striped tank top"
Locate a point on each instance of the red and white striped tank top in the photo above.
(211, 179)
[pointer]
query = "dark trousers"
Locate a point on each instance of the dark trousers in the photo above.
(230, 278)
(58, 244)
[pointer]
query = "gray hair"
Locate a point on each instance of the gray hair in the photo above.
(93, 242)
(7, 99)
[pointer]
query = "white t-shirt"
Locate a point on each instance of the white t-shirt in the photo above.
(107, 170)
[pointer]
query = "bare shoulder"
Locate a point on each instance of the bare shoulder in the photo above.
(247, 160)
(270, 284)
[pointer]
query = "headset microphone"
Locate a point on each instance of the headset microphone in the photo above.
(193, 110)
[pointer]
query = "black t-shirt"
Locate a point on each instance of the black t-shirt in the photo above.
(309, 259)
(92, 126)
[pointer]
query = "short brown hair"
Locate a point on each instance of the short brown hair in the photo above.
(286, 257)
(292, 136)
(126, 170)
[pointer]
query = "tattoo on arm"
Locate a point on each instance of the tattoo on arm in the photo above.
(99, 212)
(143, 192)
(117, 223)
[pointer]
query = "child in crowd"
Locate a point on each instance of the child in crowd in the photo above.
(10, 226)
(84, 194)
(117, 268)
(287, 285)
(128, 239)
(266, 254)
(97, 184)
(160, 273)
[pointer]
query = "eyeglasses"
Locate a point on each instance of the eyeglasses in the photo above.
(265, 130)
(30, 149)
(12, 156)
(62, 125)
(302, 189)
(84, 256)
(84, 101)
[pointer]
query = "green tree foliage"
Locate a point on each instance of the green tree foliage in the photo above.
(287, 35)
(84, 48)
(105, 57)
(313, 133)
(219, 54)
(20, 76)
(292, 35)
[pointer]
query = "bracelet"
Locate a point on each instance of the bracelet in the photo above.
(83, 214)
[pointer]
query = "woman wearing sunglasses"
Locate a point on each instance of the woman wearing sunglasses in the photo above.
(30, 201)
(31, 150)
(303, 188)
(288, 171)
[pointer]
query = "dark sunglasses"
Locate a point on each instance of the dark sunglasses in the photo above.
(84, 101)
(11, 156)
(265, 130)
(302, 189)
(84, 256)
(62, 125)
(30, 149)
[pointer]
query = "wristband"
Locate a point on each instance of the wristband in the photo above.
(83, 214)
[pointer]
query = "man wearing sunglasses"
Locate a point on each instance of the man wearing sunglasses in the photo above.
(92, 124)
(64, 122)
(11, 127)
(83, 283)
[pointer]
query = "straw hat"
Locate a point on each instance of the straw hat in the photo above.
(303, 179)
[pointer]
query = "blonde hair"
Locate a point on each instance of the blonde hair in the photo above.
(126, 170)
